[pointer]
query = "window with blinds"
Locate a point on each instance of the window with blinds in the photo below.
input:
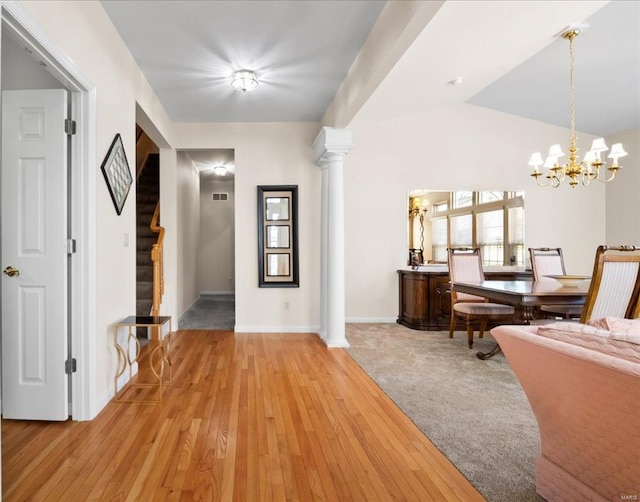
(461, 230)
(439, 239)
(490, 232)
(492, 221)
(516, 235)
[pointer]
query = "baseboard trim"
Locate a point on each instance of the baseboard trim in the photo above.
(217, 292)
(277, 329)
(177, 326)
(371, 320)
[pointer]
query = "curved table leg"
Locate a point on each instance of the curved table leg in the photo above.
(524, 315)
(491, 353)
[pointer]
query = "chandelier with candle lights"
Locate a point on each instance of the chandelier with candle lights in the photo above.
(576, 171)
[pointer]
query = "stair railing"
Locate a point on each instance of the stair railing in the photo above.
(156, 258)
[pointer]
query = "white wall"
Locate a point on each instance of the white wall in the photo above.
(269, 154)
(83, 31)
(623, 193)
(188, 231)
(455, 148)
(21, 71)
(217, 238)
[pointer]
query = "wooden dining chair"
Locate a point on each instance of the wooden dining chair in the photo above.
(465, 265)
(615, 284)
(545, 262)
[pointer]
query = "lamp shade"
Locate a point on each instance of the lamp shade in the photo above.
(244, 80)
(617, 151)
(556, 151)
(536, 160)
(599, 145)
(551, 161)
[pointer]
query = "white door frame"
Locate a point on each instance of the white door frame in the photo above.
(82, 195)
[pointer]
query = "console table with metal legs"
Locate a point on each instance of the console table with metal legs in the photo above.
(157, 356)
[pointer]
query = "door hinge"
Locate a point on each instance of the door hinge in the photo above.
(70, 366)
(69, 126)
(71, 246)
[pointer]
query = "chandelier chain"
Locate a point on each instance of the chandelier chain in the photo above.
(572, 137)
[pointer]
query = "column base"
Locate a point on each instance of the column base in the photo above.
(336, 344)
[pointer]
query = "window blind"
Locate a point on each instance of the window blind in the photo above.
(490, 235)
(439, 239)
(516, 236)
(462, 230)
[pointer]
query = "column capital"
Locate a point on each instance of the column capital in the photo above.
(331, 141)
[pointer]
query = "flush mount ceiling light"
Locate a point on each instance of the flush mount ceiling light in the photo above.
(244, 80)
(219, 170)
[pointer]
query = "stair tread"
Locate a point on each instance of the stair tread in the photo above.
(147, 197)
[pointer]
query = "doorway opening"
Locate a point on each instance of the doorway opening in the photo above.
(215, 304)
(148, 283)
(19, 31)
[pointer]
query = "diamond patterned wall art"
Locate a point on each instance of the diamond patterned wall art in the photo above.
(117, 174)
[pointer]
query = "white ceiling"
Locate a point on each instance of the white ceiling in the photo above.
(206, 160)
(607, 77)
(508, 52)
(188, 51)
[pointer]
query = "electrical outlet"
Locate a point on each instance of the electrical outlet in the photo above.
(286, 305)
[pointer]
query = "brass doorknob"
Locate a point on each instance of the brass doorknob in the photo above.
(11, 271)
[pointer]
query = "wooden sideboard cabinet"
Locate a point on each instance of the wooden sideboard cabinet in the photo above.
(425, 295)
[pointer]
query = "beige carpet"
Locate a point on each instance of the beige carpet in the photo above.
(474, 411)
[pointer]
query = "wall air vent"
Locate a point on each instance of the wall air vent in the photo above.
(220, 195)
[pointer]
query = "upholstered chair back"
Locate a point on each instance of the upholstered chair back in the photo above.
(465, 264)
(546, 261)
(615, 285)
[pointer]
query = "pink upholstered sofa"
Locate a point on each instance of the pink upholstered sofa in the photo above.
(586, 398)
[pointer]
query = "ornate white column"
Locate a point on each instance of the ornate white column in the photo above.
(329, 149)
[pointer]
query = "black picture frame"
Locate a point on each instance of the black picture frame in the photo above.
(278, 206)
(116, 172)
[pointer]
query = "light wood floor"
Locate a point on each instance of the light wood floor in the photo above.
(255, 417)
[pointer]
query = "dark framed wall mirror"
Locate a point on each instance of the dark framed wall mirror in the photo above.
(278, 236)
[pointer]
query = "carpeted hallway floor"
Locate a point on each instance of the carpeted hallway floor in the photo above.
(210, 312)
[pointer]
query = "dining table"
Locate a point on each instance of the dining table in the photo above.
(524, 295)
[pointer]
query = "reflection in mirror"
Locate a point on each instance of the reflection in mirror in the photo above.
(490, 220)
(277, 264)
(277, 236)
(277, 208)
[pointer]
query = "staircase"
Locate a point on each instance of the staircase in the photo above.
(147, 194)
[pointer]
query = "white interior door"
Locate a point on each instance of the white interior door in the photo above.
(34, 232)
